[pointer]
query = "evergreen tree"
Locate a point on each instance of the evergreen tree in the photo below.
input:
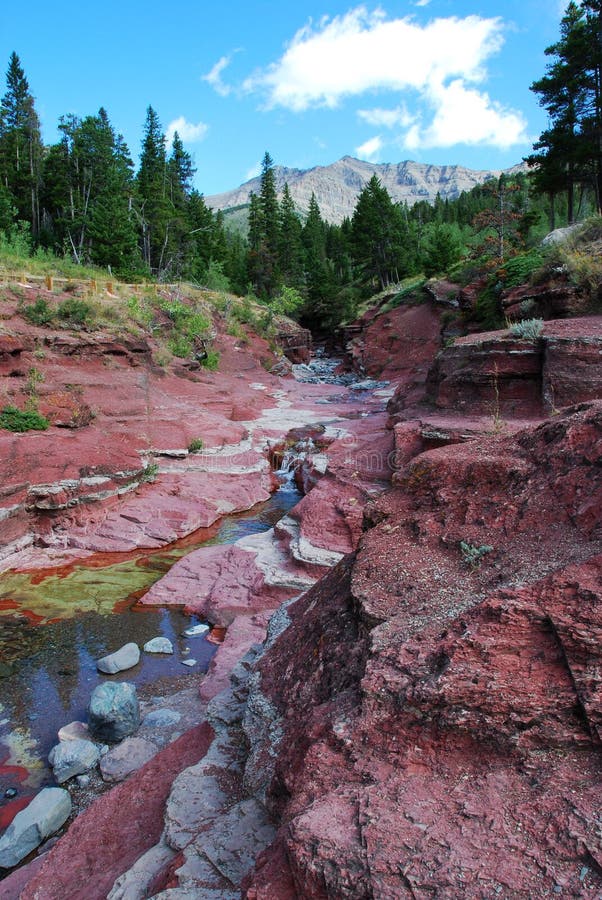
(376, 235)
(319, 280)
(498, 224)
(20, 146)
(155, 210)
(88, 194)
(264, 233)
(290, 247)
(562, 150)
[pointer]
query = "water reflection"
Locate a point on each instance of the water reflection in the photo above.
(53, 670)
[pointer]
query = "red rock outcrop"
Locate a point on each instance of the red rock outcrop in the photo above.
(398, 344)
(441, 710)
(499, 374)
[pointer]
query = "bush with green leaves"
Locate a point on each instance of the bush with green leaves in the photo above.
(288, 302)
(520, 269)
(19, 420)
(215, 278)
(473, 555)
(38, 313)
(528, 329)
(211, 361)
(139, 311)
(180, 346)
(195, 445)
(74, 311)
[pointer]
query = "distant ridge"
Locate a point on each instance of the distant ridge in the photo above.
(337, 186)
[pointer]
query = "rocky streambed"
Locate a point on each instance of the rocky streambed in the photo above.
(407, 699)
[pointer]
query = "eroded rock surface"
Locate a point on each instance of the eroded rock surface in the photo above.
(440, 721)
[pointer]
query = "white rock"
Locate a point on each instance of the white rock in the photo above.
(72, 757)
(45, 814)
(188, 662)
(74, 731)
(196, 630)
(159, 645)
(124, 658)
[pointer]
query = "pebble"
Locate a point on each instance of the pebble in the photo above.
(9, 793)
(188, 662)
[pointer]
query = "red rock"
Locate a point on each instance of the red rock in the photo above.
(502, 375)
(551, 300)
(398, 344)
(120, 826)
(441, 721)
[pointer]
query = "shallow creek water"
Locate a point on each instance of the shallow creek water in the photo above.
(54, 624)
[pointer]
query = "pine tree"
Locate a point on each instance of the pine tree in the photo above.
(20, 146)
(155, 210)
(376, 235)
(562, 150)
(264, 233)
(319, 279)
(290, 247)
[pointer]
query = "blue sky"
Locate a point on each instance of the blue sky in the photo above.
(431, 80)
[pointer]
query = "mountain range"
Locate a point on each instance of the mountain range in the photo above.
(337, 186)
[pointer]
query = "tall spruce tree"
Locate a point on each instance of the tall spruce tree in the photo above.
(154, 208)
(264, 233)
(20, 146)
(290, 246)
(376, 235)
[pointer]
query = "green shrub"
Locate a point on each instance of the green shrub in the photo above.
(139, 311)
(180, 346)
(288, 302)
(195, 325)
(519, 269)
(14, 419)
(215, 278)
(195, 445)
(75, 311)
(149, 473)
(211, 361)
(38, 313)
(472, 555)
(528, 329)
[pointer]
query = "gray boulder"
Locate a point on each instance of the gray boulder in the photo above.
(124, 658)
(73, 757)
(126, 758)
(45, 814)
(159, 645)
(114, 712)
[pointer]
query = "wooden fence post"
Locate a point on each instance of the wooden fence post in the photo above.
(48, 281)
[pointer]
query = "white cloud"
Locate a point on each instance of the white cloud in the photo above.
(422, 2)
(467, 116)
(214, 76)
(362, 51)
(439, 65)
(189, 133)
(387, 118)
(370, 149)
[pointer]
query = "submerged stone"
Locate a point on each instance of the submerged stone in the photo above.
(159, 645)
(124, 658)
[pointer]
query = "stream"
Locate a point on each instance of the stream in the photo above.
(55, 624)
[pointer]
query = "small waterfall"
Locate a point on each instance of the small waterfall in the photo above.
(290, 459)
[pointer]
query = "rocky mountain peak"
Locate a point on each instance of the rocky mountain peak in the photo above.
(337, 186)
